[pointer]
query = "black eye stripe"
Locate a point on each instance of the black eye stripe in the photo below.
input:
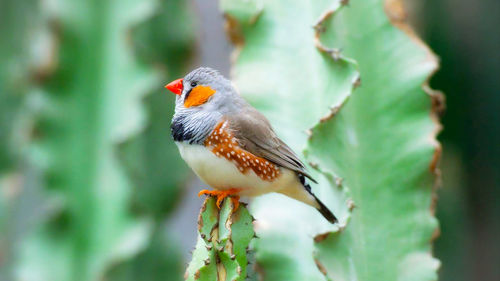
(187, 94)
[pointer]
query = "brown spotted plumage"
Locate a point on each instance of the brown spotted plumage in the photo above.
(223, 144)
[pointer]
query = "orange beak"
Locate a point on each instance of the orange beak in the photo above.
(175, 86)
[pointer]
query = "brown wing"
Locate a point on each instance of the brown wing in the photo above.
(255, 134)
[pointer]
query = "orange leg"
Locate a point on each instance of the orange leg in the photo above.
(221, 194)
(236, 202)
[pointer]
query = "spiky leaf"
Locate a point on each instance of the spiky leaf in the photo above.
(373, 151)
(91, 104)
(221, 251)
(289, 75)
(383, 144)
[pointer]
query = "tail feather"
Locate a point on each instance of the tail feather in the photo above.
(327, 214)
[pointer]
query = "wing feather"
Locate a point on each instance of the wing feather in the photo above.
(255, 134)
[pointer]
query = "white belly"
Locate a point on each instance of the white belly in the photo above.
(220, 173)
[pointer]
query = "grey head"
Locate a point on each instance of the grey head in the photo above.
(205, 98)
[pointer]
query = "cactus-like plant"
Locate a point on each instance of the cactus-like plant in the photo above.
(373, 151)
(79, 110)
(90, 106)
(224, 238)
(152, 161)
(19, 21)
(167, 39)
(19, 24)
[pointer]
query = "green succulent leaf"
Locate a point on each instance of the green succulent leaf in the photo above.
(221, 251)
(383, 144)
(20, 64)
(150, 158)
(19, 23)
(92, 103)
(295, 81)
(373, 152)
(159, 261)
(243, 11)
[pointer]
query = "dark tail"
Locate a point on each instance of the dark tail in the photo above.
(327, 214)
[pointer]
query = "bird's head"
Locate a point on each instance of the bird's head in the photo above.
(202, 89)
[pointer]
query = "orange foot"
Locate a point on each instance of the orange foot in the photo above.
(221, 194)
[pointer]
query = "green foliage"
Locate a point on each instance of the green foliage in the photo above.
(18, 21)
(371, 151)
(91, 104)
(18, 26)
(96, 149)
(221, 251)
(159, 261)
(151, 158)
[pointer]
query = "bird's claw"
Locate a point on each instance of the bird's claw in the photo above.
(222, 194)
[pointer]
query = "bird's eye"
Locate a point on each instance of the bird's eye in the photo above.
(193, 84)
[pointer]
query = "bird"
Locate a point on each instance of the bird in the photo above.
(231, 146)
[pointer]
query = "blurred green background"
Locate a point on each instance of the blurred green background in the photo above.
(85, 145)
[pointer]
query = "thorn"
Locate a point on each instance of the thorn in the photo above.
(344, 2)
(209, 247)
(203, 235)
(350, 204)
(319, 28)
(357, 82)
(253, 219)
(248, 250)
(207, 261)
(336, 53)
(233, 257)
(220, 249)
(338, 181)
(255, 235)
(209, 239)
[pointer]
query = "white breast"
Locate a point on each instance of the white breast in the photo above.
(220, 173)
